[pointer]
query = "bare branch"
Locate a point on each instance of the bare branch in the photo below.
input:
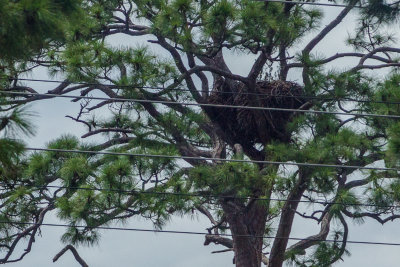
(374, 216)
(344, 240)
(181, 67)
(113, 142)
(203, 78)
(218, 240)
(373, 67)
(356, 183)
(222, 251)
(307, 49)
(184, 147)
(106, 130)
(207, 214)
(302, 245)
(377, 50)
(31, 232)
(74, 252)
(81, 121)
(258, 65)
(343, 55)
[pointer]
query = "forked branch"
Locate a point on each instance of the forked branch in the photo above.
(74, 252)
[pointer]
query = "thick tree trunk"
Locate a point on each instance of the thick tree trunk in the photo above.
(245, 221)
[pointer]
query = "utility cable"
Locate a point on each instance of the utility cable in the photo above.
(165, 102)
(329, 98)
(309, 3)
(200, 233)
(213, 159)
(159, 194)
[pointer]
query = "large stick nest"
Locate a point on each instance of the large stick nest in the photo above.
(248, 127)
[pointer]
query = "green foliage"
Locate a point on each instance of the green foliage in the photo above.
(18, 203)
(87, 61)
(345, 199)
(10, 153)
(374, 17)
(13, 124)
(381, 12)
(76, 237)
(325, 254)
(75, 171)
(219, 21)
(17, 121)
(33, 24)
(231, 179)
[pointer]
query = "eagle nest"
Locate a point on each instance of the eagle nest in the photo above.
(249, 126)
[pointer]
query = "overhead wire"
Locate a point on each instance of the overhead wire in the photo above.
(165, 102)
(328, 98)
(157, 193)
(212, 159)
(321, 4)
(200, 233)
(310, 3)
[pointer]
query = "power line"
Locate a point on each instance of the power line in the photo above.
(348, 99)
(213, 159)
(308, 3)
(318, 4)
(207, 105)
(200, 233)
(137, 192)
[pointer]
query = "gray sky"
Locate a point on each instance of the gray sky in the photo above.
(117, 248)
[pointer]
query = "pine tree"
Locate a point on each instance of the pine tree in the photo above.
(197, 36)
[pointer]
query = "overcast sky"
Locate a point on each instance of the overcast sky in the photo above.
(117, 248)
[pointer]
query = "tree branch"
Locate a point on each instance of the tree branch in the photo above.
(302, 245)
(286, 220)
(307, 49)
(106, 130)
(374, 216)
(30, 231)
(218, 240)
(74, 252)
(344, 239)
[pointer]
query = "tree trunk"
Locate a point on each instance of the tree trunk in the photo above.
(244, 221)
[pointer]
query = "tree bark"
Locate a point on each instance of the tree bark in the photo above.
(245, 221)
(277, 256)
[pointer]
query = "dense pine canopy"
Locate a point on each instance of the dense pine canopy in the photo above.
(148, 59)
